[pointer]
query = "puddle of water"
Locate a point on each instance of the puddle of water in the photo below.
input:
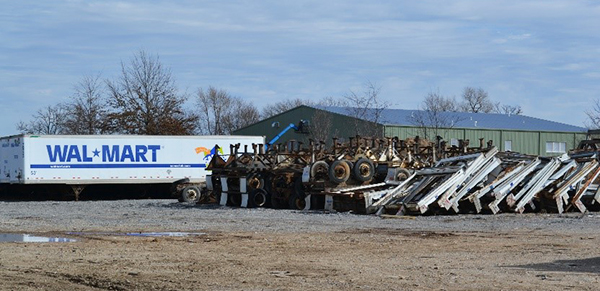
(16, 237)
(143, 234)
(154, 234)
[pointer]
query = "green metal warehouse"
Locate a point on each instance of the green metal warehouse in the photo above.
(517, 133)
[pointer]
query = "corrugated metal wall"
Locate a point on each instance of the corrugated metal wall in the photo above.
(526, 142)
(522, 141)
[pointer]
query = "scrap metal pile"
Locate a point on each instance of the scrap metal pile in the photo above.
(413, 176)
(495, 182)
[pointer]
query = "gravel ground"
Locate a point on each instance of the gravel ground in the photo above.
(265, 249)
(168, 215)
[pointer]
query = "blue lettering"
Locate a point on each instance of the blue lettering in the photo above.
(127, 154)
(73, 153)
(57, 153)
(140, 153)
(154, 148)
(108, 155)
(85, 156)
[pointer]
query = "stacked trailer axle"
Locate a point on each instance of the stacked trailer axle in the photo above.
(298, 176)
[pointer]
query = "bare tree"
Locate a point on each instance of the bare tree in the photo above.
(214, 105)
(220, 113)
(321, 124)
(477, 100)
(86, 112)
(145, 100)
(435, 116)
(367, 106)
(332, 102)
(321, 127)
(509, 109)
(593, 114)
(49, 120)
(435, 101)
(282, 106)
(241, 114)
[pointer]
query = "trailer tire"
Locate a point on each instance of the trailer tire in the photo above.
(276, 203)
(234, 199)
(258, 198)
(402, 174)
(215, 194)
(297, 202)
(364, 170)
(339, 172)
(191, 194)
(350, 164)
(319, 170)
(256, 182)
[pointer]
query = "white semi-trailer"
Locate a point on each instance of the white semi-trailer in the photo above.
(78, 161)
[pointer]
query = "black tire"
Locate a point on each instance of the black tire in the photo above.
(234, 199)
(402, 174)
(297, 202)
(258, 198)
(217, 189)
(363, 170)
(339, 172)
(276, 203)
(256, 182)
(319, 170)
(317, 202)
(350, 165)
(191, 194)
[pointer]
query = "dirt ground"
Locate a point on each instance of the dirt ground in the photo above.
(378, 259)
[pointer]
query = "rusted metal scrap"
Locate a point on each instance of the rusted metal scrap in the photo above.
(297, 175)
(412, 176)
(499, 182)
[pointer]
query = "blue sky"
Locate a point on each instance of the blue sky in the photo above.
(542, 55)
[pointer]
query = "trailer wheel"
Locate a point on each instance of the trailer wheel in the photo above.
(402, 174)
(339, 172)
(215, 195)
(319, 170)
(258, 198)
(364, 170)
(235, 199)
(297, 202)
(281, 189)
(276, 203)
(191, 194)
(350, 164)
(256, 182)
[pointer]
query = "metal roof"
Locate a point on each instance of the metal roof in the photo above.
(405, 117)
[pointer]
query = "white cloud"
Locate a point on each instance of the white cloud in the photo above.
(592, 75)
(524, 51)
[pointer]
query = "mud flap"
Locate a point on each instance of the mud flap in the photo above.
(307, 202)
(328, 202)
(243, 190)
(224, 191)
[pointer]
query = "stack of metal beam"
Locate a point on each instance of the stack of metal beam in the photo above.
(494, 182)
